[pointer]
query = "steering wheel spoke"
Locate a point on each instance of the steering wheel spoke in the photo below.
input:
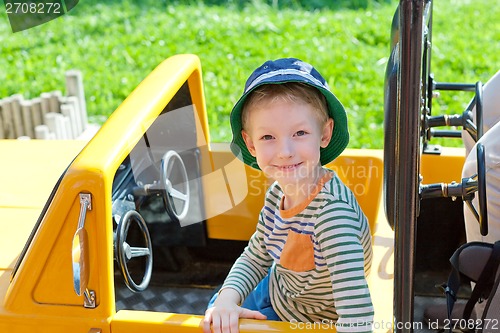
(139, 252)
(179, 195)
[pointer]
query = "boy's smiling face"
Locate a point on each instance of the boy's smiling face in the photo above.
(285, 137)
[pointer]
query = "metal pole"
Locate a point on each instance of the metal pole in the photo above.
(407, 159)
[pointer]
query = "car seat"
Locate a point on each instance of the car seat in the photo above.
(476, 262)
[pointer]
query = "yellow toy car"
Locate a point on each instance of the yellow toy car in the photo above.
(134, 230)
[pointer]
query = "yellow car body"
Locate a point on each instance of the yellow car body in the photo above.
(37, 291)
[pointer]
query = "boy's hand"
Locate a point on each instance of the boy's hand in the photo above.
(224, 315)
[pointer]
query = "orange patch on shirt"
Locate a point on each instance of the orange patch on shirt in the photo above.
(298, 252)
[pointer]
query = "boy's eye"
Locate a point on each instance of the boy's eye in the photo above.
(266, 137)
(300, 133)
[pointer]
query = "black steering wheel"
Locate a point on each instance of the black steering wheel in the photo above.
(125, 252)
(391, 108)
(479, 182)
(481, 189)
(466, 190)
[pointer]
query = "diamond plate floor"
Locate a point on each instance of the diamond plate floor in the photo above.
(165, 299)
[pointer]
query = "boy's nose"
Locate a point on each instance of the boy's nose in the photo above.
(286, 149)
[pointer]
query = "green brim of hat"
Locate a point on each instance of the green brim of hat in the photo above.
(338, 142)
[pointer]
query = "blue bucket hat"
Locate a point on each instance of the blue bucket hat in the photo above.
(284, 71)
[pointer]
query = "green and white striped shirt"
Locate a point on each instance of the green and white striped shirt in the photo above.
(317, 254)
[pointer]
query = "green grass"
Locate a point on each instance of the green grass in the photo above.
(117, 43)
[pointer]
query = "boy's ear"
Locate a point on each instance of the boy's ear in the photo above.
(326, 135)
(249, 142)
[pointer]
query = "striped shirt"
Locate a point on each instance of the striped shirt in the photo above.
(317, 254)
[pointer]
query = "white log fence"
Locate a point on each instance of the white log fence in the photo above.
(50, 116)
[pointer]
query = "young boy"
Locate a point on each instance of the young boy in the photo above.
(311, 252)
